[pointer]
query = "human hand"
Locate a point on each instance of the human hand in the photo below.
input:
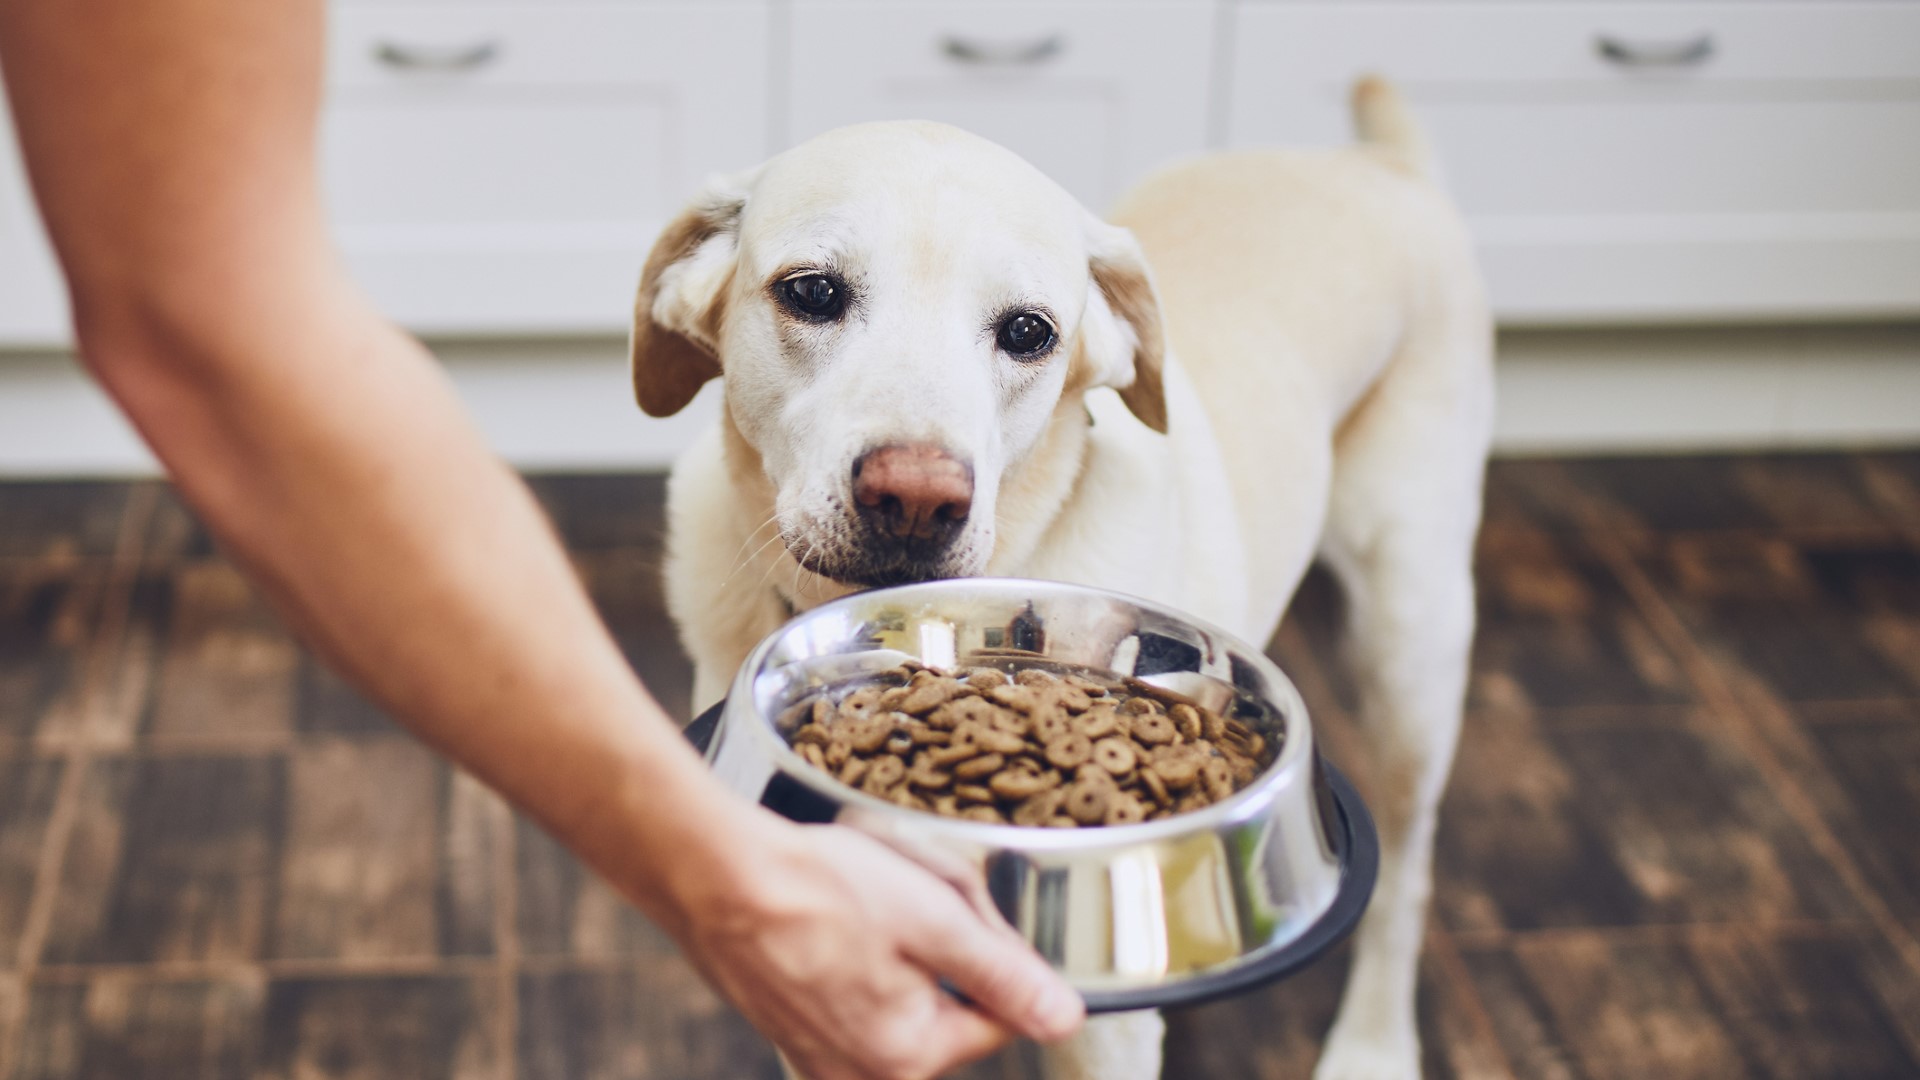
(832, 945)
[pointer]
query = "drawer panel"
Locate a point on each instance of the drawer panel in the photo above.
(1797, 132)
(506, 168)
(1095, 95)
(427, 45)
(33, 297)
(1561, 42)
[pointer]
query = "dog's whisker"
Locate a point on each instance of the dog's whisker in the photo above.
(743, 563)
(739, 563)
(748, 561)
(771, 564)
(798, 566)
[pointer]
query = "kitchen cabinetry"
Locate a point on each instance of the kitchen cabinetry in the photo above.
(500, 169)
(1635, 160)
(33, 303)
(1095, 95)
(504, 169)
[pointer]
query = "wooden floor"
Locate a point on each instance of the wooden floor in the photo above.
(1683, 836)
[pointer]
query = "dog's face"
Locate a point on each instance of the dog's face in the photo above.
(898, 310)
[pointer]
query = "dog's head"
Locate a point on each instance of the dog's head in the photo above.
(897, 310)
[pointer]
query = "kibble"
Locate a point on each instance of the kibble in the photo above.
(1030, 746)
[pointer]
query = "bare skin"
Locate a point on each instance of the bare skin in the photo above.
(171, 149)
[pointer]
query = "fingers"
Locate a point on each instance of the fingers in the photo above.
(963, 875)
(954, 1036)
(961, 1035)
(997, 971)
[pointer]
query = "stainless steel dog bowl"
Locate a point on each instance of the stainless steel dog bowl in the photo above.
(1137, 916)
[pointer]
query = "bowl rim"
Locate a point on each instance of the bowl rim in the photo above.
(1292, 765)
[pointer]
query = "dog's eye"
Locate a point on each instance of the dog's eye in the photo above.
(1025, 335)
(813, 296)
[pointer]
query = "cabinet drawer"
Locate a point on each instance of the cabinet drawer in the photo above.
(1095, 95)
(1623, 160)
(33, 297)
(505, 168)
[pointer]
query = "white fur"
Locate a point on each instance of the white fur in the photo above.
(1330, 396)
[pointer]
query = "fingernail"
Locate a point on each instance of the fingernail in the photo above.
(1059, 1009)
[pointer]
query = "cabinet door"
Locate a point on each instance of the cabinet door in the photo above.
(504, 169)
(33, 299)
(1095, 95)
(1633, 161)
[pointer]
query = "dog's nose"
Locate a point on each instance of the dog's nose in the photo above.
(913, 492)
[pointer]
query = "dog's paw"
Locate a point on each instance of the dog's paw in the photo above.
(1356, 1059)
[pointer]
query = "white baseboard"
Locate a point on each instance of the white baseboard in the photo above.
(1708, 388)
(565, 405)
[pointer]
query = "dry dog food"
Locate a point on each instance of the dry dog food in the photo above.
(1031, 748)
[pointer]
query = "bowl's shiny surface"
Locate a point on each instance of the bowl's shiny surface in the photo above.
(1128, 913)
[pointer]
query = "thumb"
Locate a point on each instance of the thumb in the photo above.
(998, 972)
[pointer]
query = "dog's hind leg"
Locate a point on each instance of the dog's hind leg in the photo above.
(1120, 1046)
(1404, 511)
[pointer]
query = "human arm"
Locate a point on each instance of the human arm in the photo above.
(171, 149)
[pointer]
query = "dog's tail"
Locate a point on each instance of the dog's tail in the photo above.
(1383, 121)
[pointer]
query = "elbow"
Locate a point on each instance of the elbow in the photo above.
(128, 336)
(202, 335)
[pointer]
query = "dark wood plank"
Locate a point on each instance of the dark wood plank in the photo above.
(225, 663)
(27, 790)
(1584, 1008)
(1876, 761)
(1633, 493)
(1276, 1033)
(563, 909)
(1799, 492)
(48, 618)
(385, 856)
(626, 587)
(61, 519)
(1619, 824)
(325, 704)
(174, 534)
(173, 859)
(588, 511)
(656, 1021)
(1894, 480)
(1806, 620)
(1557, 629)
(608, 510)
(1527, 495)
(119, 1028)
(403, 1028)
(1813, 492)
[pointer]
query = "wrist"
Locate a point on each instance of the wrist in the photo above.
(695, 851)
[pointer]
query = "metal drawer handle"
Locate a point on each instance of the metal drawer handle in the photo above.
(1654, 53)
(1003, 53)
(417, 58)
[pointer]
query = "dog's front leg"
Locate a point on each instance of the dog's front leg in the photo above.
(1122, 1046)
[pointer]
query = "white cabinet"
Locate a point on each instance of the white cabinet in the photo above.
(504, 169)
(1095, 95)
(33, 303)
(501, 168)
(1635, 160)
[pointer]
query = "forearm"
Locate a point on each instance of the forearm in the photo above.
(170, 145)
(332, 459)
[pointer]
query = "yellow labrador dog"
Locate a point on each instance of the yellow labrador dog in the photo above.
(936, 363)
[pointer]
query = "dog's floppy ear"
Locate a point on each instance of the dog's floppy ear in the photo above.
(675, 347)
(1123, 336)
